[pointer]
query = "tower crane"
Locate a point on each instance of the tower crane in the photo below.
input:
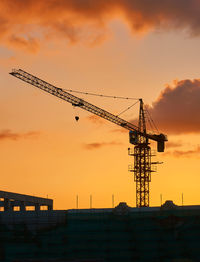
(138, 135)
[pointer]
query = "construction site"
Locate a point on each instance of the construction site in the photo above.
(164, 233)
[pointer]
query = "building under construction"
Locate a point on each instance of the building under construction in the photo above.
(167, 233)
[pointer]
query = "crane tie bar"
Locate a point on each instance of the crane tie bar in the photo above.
(100, 95)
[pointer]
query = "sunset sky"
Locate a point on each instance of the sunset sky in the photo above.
(133, 48)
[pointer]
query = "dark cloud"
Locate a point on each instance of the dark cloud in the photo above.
(92, 146)
(9, 135)
(86, 20)
(177, 109)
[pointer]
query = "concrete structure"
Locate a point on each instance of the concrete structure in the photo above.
(8, 201)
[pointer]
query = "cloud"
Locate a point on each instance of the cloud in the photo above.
(86, 20)
(173, 144)
(92, 146)
(30, 44)
(187, 153)
(176, 111)
(9, 135)
(119, 130)
(96, 120)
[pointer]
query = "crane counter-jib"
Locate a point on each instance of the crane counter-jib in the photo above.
(76, 101)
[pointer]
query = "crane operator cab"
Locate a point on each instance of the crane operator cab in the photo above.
(133, 137)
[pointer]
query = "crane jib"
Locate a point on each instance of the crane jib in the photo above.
(76, 101)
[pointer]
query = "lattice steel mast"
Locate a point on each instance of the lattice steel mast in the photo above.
(138, 135)
(142, 162)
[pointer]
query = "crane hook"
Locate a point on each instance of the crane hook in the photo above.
(77, 118)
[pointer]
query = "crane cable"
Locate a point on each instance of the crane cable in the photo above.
(151, 122)
(100, 95)
(107, 96)
(127, 108)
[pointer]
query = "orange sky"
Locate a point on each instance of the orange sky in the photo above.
(121, 48)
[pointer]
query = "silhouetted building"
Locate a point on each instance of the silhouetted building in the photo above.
(167, 233)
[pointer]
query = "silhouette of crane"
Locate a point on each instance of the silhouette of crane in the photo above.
(138, 135)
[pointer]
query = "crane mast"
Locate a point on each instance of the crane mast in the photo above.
(142, 167)
(138, 135)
